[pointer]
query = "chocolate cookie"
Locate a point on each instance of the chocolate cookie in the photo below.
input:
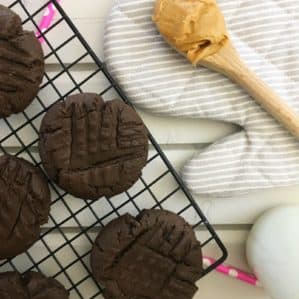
(155, 255)
(31, 285)
(21, 64)
(93, 148)
(24, 205)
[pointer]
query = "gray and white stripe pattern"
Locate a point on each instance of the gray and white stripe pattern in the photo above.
(158, 79)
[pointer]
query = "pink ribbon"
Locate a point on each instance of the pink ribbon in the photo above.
(233, 272)
(46, 20)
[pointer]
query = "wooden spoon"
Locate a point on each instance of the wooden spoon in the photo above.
(184, 23)
(228, 62)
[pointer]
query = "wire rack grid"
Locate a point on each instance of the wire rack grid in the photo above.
(65, 243)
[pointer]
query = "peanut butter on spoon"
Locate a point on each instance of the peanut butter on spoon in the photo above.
(196, 29)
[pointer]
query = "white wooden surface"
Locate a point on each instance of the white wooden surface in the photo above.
(232, 216)
(89, 16)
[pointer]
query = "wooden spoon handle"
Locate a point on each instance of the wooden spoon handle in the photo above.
(228, 62)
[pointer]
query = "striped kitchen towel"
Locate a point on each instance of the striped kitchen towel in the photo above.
(158, 79)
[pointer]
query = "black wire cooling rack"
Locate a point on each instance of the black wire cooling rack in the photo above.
(65, 243)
